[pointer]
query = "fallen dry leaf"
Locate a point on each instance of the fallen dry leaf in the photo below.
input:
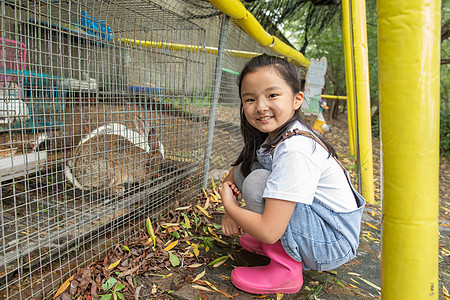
(193, 266)
(217, 290)
(171, 245)
(199, 287)
(200, 275)
(113, 265)
(217, 260)
(203, 211)
(370, 283)
(63, 287)
(372, 226)
(151, 231)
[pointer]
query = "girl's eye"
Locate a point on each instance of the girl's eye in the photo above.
(249, 100)
(272, 95)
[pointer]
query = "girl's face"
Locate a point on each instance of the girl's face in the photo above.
(267, 100)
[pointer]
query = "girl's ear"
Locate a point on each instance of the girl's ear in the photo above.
(298, 100)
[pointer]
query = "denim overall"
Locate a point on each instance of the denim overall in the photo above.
(316, 235)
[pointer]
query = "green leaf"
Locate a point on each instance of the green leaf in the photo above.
(151, 231)
(126, 248)
(120, 295)
(106, 297)
(222, 258)
(217, 226)
(175, 234)
(174, 260)
(119, 287)
(109, 284)
(207, 241)
(196, 219)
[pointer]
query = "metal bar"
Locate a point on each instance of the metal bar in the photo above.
(89, 226)
(183, 47)
(349, 74)
(251, 26)
(333, 97)
(216, 93)
(364, 128)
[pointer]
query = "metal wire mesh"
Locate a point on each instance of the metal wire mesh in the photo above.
(106, 108)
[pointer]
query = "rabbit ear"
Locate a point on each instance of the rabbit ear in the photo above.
(152, 140)
(86, 121)
(141, 126)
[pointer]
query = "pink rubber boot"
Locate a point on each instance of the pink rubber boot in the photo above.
(251, 244)
(282, 275)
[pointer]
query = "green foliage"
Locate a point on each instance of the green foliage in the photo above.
(376, 127)
(111, 283)
(174, 260)
(445, 132)
(329, 43)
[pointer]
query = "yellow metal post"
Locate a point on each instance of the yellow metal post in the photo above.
(363, 125)
(408, 53)
(349, 74)
(333, 97)
(247, 22)
(189, 48)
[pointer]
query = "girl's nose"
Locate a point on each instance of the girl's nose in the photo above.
(261, 105)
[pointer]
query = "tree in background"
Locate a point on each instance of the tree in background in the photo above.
(315, 28)
(316, 15)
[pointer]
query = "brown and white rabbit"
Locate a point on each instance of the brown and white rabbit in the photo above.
(113, 155)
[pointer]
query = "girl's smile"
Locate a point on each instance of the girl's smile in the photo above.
(268, 101)
(264, 119)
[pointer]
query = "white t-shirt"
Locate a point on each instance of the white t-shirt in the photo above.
(302, 171)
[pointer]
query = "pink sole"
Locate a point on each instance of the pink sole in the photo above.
(251, 290)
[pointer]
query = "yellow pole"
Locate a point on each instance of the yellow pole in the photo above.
(296, 57)
(333, 97)
(409, 53)
(247, 22)
(182, 47)
(349, 75)
(363, 126)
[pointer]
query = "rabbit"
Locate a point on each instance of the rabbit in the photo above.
(65, 139)
(139, 139)
(105, 160)
(74, 133)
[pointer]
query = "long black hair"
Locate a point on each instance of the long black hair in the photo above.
(253, 138)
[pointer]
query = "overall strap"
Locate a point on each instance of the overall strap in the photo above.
(297, 131)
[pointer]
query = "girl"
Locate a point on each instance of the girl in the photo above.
(301, 209)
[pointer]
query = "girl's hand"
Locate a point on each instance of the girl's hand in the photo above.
(229, 227)
(229, 193)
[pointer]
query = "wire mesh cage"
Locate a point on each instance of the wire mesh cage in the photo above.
(12, 63)
(121, 121)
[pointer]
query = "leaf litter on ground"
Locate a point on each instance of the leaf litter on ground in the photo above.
(175, 239)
